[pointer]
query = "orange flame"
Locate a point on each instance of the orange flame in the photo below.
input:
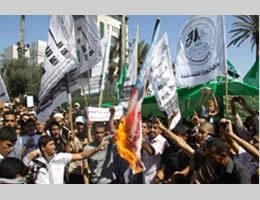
(125, 147)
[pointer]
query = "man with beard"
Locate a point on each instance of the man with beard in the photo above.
(78, 169)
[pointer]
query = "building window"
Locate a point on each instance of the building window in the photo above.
(102, 31)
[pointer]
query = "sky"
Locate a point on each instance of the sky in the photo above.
(36, 28)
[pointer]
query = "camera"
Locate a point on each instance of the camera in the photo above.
(223, 125)
(34, 171)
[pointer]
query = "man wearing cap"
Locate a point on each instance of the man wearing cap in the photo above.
(78, 170)
(76, 110)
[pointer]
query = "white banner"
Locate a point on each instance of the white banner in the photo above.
(200, 51)
(131, 70)
(103, 114)
(162, 79)
(98, 73)
(3, 92)
(60, 57)
(29, 101)
(90, 53)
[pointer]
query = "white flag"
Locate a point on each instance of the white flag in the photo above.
(131, 74)
(162, 79)
(60, 57)
(90, 46)
(3, 93)
(97, 75)
(200, 52)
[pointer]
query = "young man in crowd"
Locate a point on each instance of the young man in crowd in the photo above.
(60, 140)
(10, 121)
(78, 170)
(13, 171)
(64, 131)
(30, 139)
(153, 147)
(102, 165)
(52, 164)
(7, 140)
(213, 164)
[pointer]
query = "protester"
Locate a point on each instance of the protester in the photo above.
(102, 165)
(78, 170)
(12, 171)
(8, 139)
(50, 164)
(153, 147)
(30, 138)
(251, 126)
(60, 140)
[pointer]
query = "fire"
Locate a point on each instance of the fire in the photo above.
(126, 148)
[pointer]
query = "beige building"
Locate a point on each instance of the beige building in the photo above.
(12, 53)
(37, 52)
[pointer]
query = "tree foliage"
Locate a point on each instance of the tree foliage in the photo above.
(21, 78)
(247, 27)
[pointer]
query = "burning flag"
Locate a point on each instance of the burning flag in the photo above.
(129, 134)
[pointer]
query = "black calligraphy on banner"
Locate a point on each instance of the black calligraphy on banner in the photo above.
(193, 36)
(49, 52)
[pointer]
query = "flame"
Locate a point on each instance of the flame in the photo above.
(127, 148)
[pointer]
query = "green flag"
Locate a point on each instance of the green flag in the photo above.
(252, 76)
(232, 71)
(122, 76)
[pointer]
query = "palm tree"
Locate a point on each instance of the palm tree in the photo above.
(248, 26)
(142, 51)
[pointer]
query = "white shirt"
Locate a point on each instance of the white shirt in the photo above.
(1, 157)
(152, 163)
(247, 161)
(54, 173)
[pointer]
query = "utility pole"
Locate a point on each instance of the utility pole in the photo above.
(21, 46)
(122, 43)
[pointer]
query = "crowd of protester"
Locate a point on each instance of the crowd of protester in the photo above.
(207, 149)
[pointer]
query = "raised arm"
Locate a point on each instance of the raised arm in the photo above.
(203, 93)
(88, 153)
(244, 104)
(244, 144)
(89, 126)
(111, 120)
(178, 140)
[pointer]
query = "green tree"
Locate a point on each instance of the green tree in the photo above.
(142, 51)
(247, 27)
(22, 78)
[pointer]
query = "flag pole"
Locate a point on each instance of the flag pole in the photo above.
(100, 99)
(69, 101)
(84, 94)
(137, 39)
(225, 66)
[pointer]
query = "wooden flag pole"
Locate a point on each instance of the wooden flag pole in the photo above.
(70, 111)
(225, 66)
(100, 99)
(85, 96)
(69, 102)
